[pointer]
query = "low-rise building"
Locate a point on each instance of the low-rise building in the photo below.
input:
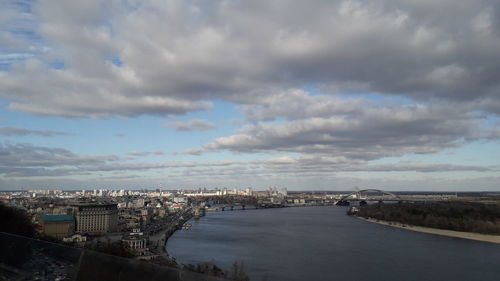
(58, 226)
(76, 238)
(135, 241)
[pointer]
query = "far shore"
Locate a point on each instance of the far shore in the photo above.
(436, 231)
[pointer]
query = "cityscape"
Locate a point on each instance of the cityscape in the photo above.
(263, 140)
(138, 223)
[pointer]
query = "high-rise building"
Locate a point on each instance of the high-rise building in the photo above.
(96, 218)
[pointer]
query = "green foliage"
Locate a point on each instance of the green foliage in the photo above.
(459, 216)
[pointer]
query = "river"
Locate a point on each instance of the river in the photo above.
(323, 243)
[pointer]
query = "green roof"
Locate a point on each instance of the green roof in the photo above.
(57, 218)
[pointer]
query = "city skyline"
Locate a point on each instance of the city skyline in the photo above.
(188, 94)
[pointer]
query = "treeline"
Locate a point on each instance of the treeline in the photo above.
(237, 272)
(458, 216)
(16, 221)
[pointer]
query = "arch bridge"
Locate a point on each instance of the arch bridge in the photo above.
(365, 195)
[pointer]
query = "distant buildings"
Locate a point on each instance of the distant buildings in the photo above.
(180, 199)
(219, 192)
(96, 218)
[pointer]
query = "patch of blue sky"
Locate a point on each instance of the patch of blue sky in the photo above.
(5, 67)
(98, 136)
(22, 32)
(145, 133)
(3, 105)
(311, 89)
(20, 21)
(87, 136)
(22, 6)
(17, 21)
(56, 65)
(227, 119)
(30, 45)
(116, 61)
(9, 59)
(6, 57)
(488, 119)
(224, 115)
(380, 99)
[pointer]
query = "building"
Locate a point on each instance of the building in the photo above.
(136, 241)
(58, 226)
(180, 199)
(76, 238)
(96, 218)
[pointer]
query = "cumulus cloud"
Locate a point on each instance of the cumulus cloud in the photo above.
(192, 125)
(296, 104)
(321, 164)
(362, 81)
(370, 134)
(172, 57)
(27, 159)
(16, 131)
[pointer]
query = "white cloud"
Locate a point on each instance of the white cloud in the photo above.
(358, 130)
(192, 125)
(434, 61)
(176, 55)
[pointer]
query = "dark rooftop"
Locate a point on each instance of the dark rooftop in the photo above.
(57, 218)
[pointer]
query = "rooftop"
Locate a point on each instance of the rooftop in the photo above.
(56, 218)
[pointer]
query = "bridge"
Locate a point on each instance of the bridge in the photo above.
(362, 197)
(227, 207)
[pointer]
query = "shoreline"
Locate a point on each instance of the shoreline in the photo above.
(436, 231)
(159, 240)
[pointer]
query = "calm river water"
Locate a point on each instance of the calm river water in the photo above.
(322, 243)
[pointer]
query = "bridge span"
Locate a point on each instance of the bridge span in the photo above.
(368, 195)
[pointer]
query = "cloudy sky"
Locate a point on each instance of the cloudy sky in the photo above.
(323, 95)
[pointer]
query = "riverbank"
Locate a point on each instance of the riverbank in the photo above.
(158, 241)
(436, 231)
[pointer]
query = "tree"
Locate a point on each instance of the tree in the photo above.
(16, 221)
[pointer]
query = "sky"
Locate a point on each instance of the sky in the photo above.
(304, 95)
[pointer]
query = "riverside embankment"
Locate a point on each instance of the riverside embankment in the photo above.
(159, 239)
(436, 231)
